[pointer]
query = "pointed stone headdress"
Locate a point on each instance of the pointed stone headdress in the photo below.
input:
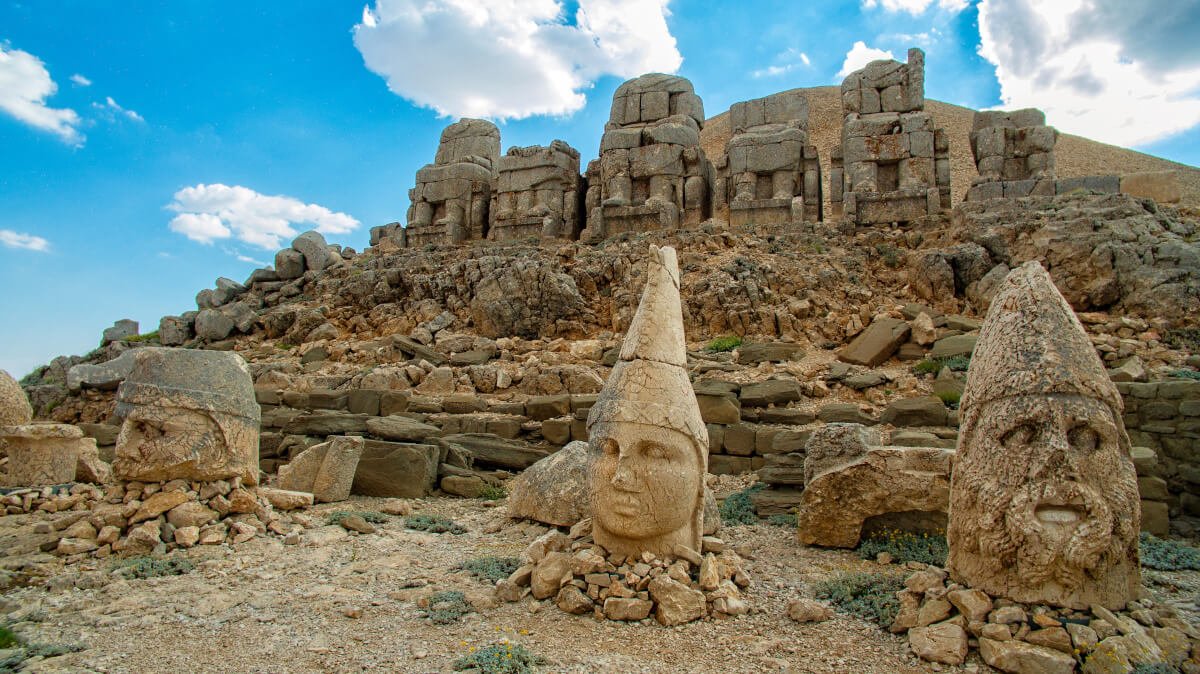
(649, 384)
(1032, 344)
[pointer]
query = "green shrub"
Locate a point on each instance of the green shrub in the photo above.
(788, 520)
(434, 524)
(891, 256)
(1186, 374)
(1155, 668)
(904, 546)
(1187, 339)
(371, 516)
(447, 607)
(492, 493)
(148, 337)
(501, 658)
(491, 568)
(737, 508)
(950, 398)
(935, 365)
(143, 567)
(726, 343)
(1168, 555)
(8, 639)
(869, 596)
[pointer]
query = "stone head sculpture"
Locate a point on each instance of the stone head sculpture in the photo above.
(1043, 500)
(647, 443)
(188, 414)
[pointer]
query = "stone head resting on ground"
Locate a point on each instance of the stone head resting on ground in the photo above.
(648, 444)
(187, 414)
(1043, 503)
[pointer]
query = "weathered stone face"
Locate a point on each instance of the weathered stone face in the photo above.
(187, 414)
(644, 481)
(1044, 505)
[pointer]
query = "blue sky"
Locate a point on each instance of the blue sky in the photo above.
(107, 114)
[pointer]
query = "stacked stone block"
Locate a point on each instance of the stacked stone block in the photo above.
(1164, 417)
(1014, 153)
(652, 173)
(892, 164)
(771, 174)
(450, 201)
(538, 192)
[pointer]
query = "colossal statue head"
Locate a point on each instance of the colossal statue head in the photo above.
(188, 414)
(647, 442)
(1044, 503)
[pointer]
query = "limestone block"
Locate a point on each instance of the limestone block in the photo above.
(1161, 186)
(550, 491)
(877, 343)
(396, 469)
(42, 454)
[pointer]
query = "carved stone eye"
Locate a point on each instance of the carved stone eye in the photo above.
(1083, 438)
(654, 451)
(1019, 435)
(611, 448)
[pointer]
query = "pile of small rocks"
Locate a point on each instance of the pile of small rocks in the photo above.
(581, 577)
(945, 621)
(141, 518)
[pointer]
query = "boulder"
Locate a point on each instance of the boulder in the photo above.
(213, 325)
(314, 249)
(394, 469)
(282, 499)
(122, 329)
(674, 602)
(106, 376)
(326, 470)
(1018, 657)
(550, 491)
(956, 345)
(944, 642)
(401, 428)
(15, 409)
(877, 343)
(772, 391)
(923, 411)
(771, 352)
(492, 450)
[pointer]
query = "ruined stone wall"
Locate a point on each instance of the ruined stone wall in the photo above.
(1165, 417)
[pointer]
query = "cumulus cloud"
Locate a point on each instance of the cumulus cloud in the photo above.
(1123, 73)
(211, 212)
(81, 80)
(860, 55)
(25, 85)
(111, 107)
(915, 7)
(11, 239)
(785, 62)
(511, 58)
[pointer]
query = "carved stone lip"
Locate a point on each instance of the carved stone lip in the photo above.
(1060, 511)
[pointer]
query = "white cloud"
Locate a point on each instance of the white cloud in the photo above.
(25, 85)
(511, 58)
(211, 212)
(247, 258)
(13, 239)
(110, 106)
(81, 80)
(783, 63)
(915, 7)
(1128, 82)
(860, 55)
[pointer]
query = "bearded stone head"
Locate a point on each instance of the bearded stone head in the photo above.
(1044, 506)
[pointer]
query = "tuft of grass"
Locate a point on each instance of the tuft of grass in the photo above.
(788, 520)
(950, 398)
(144, 566)
(737, 508)
(1154, 668)
(491, 568)
(371, 516)
(434, 524)
(492, 493)
(1165, 555)
(868, 596)
(501, 658)
(284, 346)
(1187, 339)
(935, 365)
(904, 546)
(726, 343)
(148, 337)
(1186, 374)
(8, 639)
(447, 607)
(891, 256)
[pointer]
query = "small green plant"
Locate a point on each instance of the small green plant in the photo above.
(1164, 555)
(284, 346)
(1186, 374)
(737, 508)
(492, 493)
(904, 546)
(371, 516)
(935, 365)
(788, 520)
(818, 247)
(434, 524)
(142, 567)
(1155, 668)
(950, 398)
(869, 596)
(447, 607)
(726, 343)
(501, 658)
(8, 639)
(1187, 339)
(148, 337)
(891, 256)
(491, 568)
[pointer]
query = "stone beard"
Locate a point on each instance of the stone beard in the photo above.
(1044, 502)
(645, 481)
